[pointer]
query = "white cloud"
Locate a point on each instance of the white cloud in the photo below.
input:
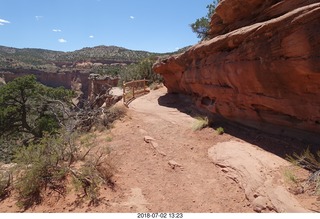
(3, 22)
(38, 17)
(56, 30)
(91, 36)
(131, 17)
(62, 40)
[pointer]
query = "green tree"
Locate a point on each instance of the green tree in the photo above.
(141, 70)
(28, 108)
(202, 25)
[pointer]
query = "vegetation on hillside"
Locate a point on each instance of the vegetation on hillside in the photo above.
(39, 133)
(104, 60)
(140, 70)
(37, 57)
(309, 160)
(28, 109)
(31, 108)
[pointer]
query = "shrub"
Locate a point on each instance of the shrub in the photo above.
(114, 113)
(309, 161)
(42, 165)
(220, 130)
(289, 175)
(90, 118)
(48, 163)
(96, 170)
(200, 123)
(155, 86)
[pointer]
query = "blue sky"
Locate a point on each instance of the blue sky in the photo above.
(68, 25)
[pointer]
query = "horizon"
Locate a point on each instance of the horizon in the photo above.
(71, 25)
(90, 48)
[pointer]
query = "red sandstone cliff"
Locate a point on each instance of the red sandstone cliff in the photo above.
(81, 82)
(261, 67)
(64, 79)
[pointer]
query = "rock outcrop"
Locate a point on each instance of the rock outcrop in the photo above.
(262, 182)
(86, 85)
(261, 68)
(63, 79)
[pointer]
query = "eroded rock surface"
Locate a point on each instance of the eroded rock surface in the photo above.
(258, 173)
(262, 66)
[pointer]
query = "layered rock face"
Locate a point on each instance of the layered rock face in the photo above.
(83, 84)
(65, 79)
(261, 68)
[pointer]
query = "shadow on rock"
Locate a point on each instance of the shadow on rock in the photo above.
(285, 143)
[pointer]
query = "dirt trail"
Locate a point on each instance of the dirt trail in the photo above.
(163, 165)
(172, 173)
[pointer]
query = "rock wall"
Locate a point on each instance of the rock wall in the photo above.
(64, 79)
(261, 68)
(82, 83)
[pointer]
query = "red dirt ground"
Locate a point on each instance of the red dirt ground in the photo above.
(162, 165)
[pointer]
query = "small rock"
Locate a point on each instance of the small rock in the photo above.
(173, 164)
(225, 170)
(148, 139)
(162, 153)
(259, 204)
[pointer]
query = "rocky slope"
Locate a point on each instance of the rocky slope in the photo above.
(261, 68)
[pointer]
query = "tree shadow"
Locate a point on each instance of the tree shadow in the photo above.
(281, 142)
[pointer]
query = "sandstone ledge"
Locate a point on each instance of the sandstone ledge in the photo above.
(260, 74)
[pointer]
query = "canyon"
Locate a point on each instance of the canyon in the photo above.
(87, 71)
(261, 67)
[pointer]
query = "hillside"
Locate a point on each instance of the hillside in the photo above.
(55, 68)
(12, 59)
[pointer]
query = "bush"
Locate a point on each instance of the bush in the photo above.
(43, 165)
(155, 86)
(96, 170)
(200, 123)
(114, 113)
(220, 130)
(309, 161)
(48, 163)
(290, 176)
(88, 119)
